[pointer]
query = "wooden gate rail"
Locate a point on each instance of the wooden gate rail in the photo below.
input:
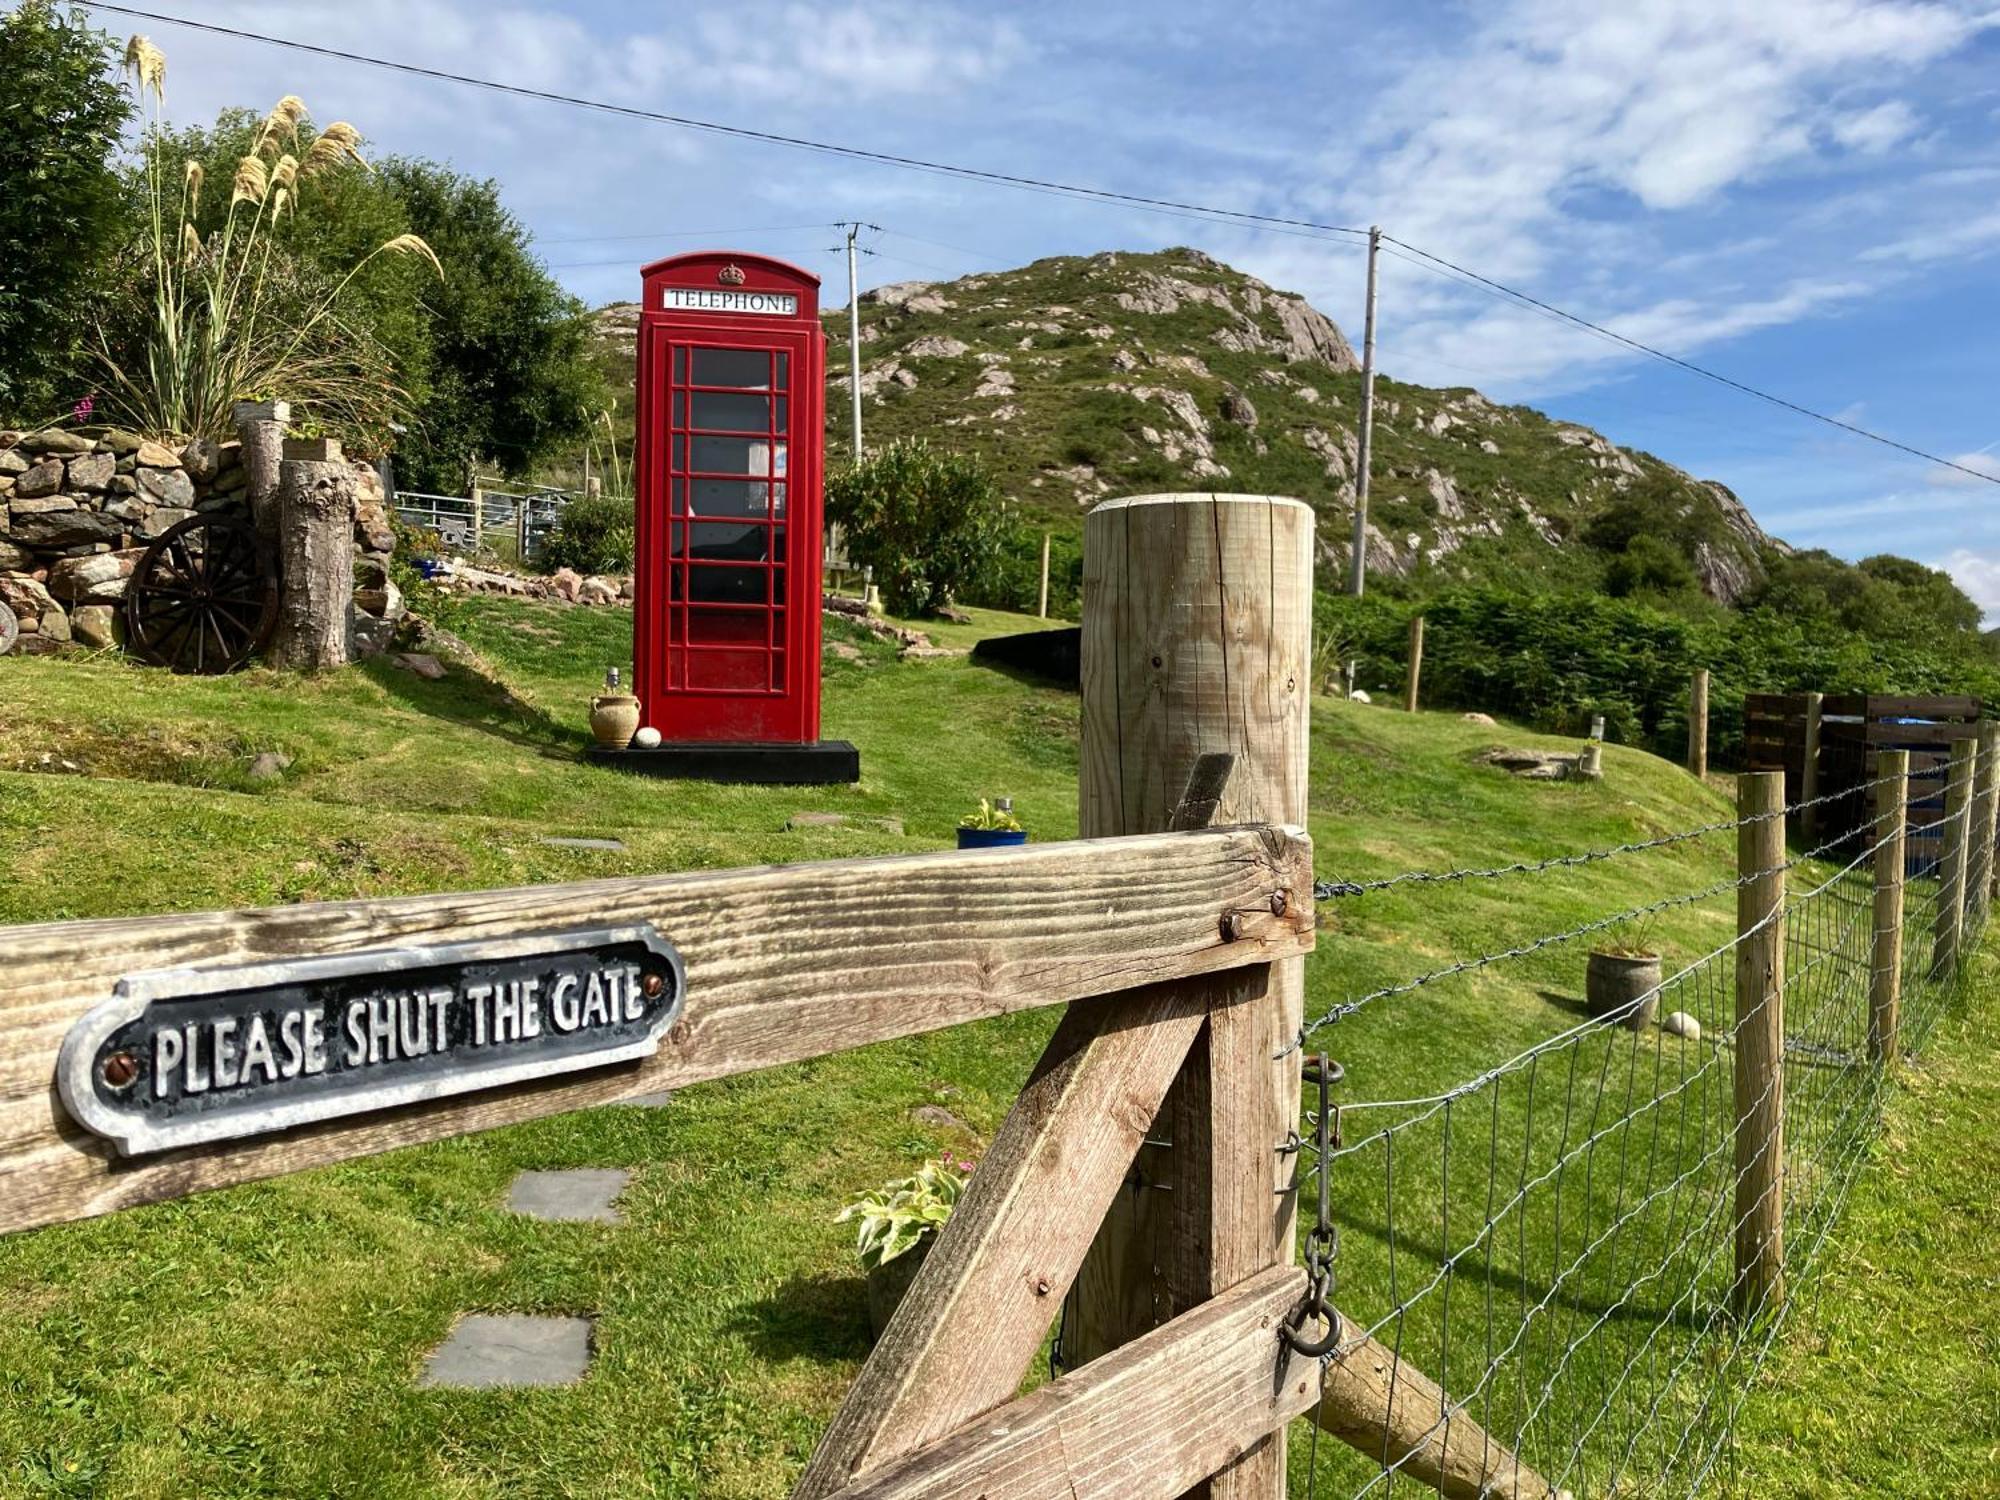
(783, 963)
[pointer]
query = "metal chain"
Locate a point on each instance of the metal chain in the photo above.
(1327, 890)
(1323, 1239)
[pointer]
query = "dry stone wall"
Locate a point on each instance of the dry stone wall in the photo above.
(79, 507)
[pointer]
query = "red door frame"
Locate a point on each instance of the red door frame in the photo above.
(783, 706)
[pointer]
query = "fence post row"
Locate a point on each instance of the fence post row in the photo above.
(1809, 769)
(1885, 962)
(1416, 663)
(1760, 1041)
(1950, 923)
(1698, 724)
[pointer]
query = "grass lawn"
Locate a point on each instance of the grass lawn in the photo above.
(262, 1341)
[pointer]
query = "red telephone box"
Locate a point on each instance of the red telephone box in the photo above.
(729, 471)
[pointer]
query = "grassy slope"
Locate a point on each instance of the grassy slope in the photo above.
(1888, 1381)
(261, 1341)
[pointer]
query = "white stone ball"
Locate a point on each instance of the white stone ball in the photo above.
(1681, 1024)
(647, 738)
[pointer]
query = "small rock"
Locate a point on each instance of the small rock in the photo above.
(168, 486)
(91, 471)
(1238, 408)
(384, 603)
(155, 522)
(597, 591)
(24, 594)
(427, 667)
(1681, 1024)
(96, 579)
(39, 505)
(14, 461)
(1486, 719)
(45, 478)
(55, 622)
(567, 584)
(154, 456)
(121, 442)
(371, 527)
(939, 1118)
(55, 440)
(1359, 695)
(368, 635)
(94, 625)
(815, 820)
(202, 459)
(270, 765)
(122, 484)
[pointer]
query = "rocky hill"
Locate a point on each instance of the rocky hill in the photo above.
(1075, 378)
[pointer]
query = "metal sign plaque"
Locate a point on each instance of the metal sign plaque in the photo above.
(712, 299)
(181, 1056)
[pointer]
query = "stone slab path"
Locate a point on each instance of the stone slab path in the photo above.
(587, 1196)
(495, 1351)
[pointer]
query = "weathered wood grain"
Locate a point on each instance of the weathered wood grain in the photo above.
(1885, 963)
(983, 1301)
(1949, 926)
(783, 963)
(1760, 1042)
(1142, 1423)
(1197, 639)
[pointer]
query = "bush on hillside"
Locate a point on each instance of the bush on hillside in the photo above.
(597, 534)
(926, 521)
(1555, 660)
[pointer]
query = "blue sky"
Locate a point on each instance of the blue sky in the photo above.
(1804, 194)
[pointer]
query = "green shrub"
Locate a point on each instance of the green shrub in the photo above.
(1013, 580)
(926, 521)
(597, 534)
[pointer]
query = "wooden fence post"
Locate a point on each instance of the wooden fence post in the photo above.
(1885, 980)
(1985, 792)
(1197, 638)
(1809, 771)
(1760, 1042)
(1698, 724)
(1416, 663)
(1042, 609)
(1952, 862)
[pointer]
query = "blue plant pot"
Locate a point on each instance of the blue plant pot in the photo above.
(990, 838)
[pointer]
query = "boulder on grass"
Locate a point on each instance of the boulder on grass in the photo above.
(94, 625)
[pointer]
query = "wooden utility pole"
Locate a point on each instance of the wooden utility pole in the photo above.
(1885, 962)
(1952, 863)
(316, 553)
(1809, 769)
(1416, 664)
(1042, 609)
(1760, 1042)
(1365, 438)
(1698, 724)
(1197, 638)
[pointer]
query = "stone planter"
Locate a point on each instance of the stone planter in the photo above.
(1614, 984)
(614, 719)
(889, 1282)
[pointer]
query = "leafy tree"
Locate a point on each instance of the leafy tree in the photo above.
(512, 374)
(927, 522)
(60, 117)
(1649, 565)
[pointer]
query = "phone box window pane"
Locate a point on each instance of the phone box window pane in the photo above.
(745, 369)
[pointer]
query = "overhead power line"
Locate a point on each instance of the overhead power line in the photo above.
(1274, 222)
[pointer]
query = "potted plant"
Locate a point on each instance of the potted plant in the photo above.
(1622, 979)
(993, 825)
(899, 1223)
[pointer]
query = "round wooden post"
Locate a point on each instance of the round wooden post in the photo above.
(260, 428)
(1760, 1042)
(316, 552)
(1197, 638)
(1042, 609)
(1985, 791)
(1951, 863)
(1416, 663)
(1809, 768)
(1698, 724)
(1885, 978)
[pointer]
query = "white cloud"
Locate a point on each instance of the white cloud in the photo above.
(1978, 573)
(1873, 131)
(1981, 463)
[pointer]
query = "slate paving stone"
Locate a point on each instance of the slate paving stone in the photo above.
(495, 1351)
(650, 1101)
(610, 845)
(580, 1197)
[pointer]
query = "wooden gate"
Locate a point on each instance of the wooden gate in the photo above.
(1177, 946)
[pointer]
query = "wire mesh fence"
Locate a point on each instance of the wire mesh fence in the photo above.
(1553, 1242)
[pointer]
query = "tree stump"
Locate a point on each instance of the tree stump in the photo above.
(316, 556)
(260, 428)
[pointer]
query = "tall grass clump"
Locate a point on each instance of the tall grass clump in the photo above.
(230, 313)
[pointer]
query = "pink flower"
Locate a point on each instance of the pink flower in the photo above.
(82, 410)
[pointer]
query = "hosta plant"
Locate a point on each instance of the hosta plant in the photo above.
(897, 1216)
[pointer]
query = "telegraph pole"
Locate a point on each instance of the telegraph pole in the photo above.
(854, 337)
(1359, 580)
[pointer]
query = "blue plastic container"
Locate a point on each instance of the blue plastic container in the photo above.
(990, 838)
